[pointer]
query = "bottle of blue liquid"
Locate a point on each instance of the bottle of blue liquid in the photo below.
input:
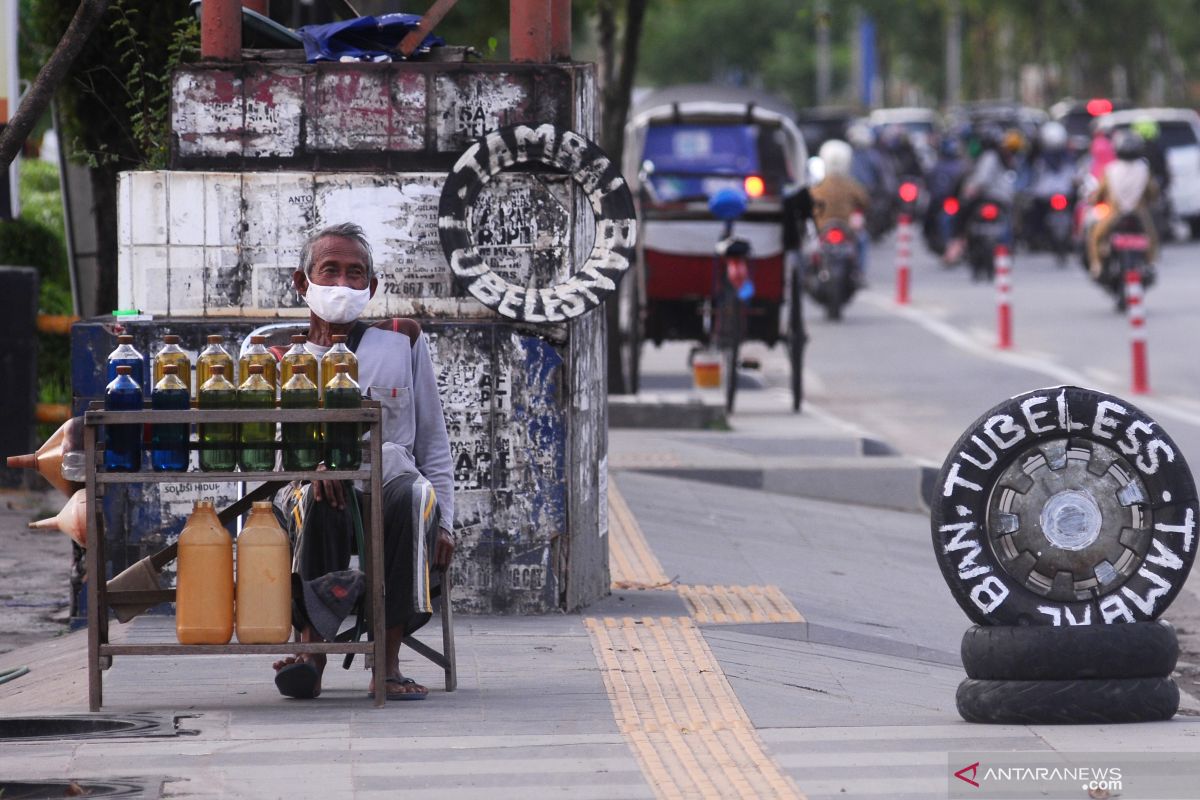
(127, 355)
(123, 443)
(169, 442)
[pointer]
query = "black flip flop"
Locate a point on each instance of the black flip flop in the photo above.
(402, 695)
(298, 679)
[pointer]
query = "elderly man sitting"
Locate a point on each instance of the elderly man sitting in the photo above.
(337, 279)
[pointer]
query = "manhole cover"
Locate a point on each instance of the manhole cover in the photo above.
(86, 726)
(109, 787)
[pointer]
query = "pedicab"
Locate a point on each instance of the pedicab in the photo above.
(718, 178)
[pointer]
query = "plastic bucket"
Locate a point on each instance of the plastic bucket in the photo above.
(706, 370)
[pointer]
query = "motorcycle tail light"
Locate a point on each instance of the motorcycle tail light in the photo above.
(1059, 202)
(835, 236)
(989, 212)
(754, 186)
(950, 205)
(908, 192)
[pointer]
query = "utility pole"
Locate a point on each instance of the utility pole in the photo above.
(823, 55)
(953, 53)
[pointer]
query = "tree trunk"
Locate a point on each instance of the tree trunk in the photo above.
(37, 99)
(616, 89)
(104, 198)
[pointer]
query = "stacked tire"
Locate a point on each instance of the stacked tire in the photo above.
(1065, 522)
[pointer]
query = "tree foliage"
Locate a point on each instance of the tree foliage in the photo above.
(1079, 47)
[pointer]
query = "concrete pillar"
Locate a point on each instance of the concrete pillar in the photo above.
(529, 30)
(560, 30)
(221, 30)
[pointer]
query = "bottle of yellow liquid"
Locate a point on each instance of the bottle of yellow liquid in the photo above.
(338, 354)
(298, 359)
(214, 353)
(172, 353)
(204, 588)
(257, 353)
(264, 579)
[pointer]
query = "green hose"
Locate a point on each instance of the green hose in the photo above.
(11, 674)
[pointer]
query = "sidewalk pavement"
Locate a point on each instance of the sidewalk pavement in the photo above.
(757, 644)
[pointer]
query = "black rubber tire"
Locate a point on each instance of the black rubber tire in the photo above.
(729, 339)
(1071, 652)
(797, 339)
(968, 540)
(1068, 702)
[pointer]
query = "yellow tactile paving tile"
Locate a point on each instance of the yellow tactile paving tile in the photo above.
(729, 605)
(671, 700)
(632, 564)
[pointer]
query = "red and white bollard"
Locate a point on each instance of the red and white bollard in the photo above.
(1003, 299)
(1137, 331)
(903, 258)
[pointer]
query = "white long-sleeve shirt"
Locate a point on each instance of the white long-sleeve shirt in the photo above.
(399, 374)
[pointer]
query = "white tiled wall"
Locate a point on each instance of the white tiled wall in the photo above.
(226, 244)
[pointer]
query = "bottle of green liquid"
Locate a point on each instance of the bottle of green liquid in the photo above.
(169, 442)
(343, 440)
(298, 359)
(301, 440)
(256, 449)
(338, 354)
(218, 440)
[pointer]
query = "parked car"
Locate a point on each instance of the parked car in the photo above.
(1179, 134)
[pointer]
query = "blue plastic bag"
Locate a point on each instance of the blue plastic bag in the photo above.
(363, 38)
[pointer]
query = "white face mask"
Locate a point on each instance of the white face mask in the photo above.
(336, 304)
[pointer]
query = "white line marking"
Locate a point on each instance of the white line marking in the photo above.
(1051, 369)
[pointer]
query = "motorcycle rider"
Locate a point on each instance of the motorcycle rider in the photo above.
(990, 180)
(1156, 155)
(944, 178)
(839, 197)
(1127, 187)
(1053, 172)
(874, 172)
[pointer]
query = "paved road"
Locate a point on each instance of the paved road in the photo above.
(919, 376)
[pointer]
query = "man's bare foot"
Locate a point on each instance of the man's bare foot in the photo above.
(401, 688)
(299, 676)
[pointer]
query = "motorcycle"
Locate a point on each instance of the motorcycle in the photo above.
(832, 277)
(1128, 251)
(1057, 221)
(939, 224)
(986, 228)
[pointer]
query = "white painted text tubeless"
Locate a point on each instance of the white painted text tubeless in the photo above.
(606, 190)
(1064, 506)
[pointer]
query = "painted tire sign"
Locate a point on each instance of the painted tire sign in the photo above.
(1064, 506)
(599, 178)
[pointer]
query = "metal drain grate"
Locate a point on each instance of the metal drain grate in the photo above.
(87, 726)
(106, 787)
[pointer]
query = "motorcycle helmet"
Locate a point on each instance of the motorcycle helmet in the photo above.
(1053, 136)
(860, 135)
(1146, 128)
(1128, 145)
(949, 147)
(1014, 141)
(837, 156)
(989, 136)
